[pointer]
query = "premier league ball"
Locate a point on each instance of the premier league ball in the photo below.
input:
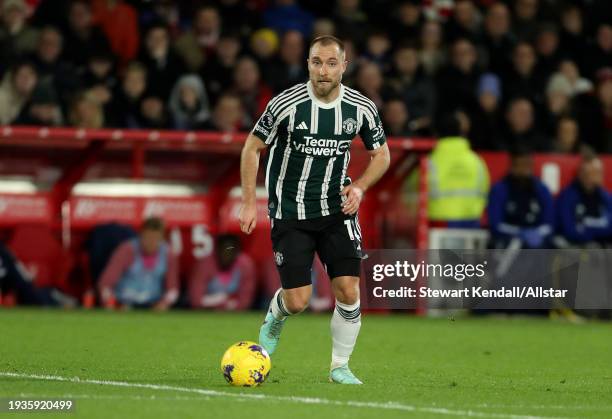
(245, 364)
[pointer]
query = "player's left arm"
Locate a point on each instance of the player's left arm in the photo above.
(379, 163)
(373, 137)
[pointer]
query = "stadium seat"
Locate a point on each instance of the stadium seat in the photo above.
(43, 256)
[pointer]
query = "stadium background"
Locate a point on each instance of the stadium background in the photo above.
(94, 129)
(115, 111)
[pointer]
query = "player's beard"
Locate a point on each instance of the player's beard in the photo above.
(325, 89)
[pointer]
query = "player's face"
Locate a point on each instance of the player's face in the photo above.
(326, 64)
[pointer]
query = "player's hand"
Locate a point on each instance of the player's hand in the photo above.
(354, 195)
(248, 217)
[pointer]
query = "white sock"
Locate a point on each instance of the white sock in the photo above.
(277, 306)
(345, 325)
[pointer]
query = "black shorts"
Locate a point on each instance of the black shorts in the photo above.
(336, 238)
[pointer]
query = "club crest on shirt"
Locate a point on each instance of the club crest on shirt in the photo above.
(278, 258)
(349, 125)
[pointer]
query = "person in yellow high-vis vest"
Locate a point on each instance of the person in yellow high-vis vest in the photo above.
(458, 179)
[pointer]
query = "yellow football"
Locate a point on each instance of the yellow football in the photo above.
(245, 364)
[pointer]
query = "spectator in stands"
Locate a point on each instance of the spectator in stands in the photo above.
(100, 70)
(154, 114)
(100, 82)
(351, 55)
(264, 45)
(228, 115)
(487, 119)
(15, 91)
(49, 12)
(457, 82)
(558, 101)
(523, 78)
(567, 139)
(378, 50)
(407, 21)
(238, 16)
(579, 84)
(248, 85)
(17, 285)
(323, 26)
(128, 97)
(395, 118)
(458, 179)
(409, 81)
(86, 112)
(17, 38)
(595, 113)
(351, 20)
(520, 210)
(189, 103)
(225, 280)
(166, 11)
(599, 56)
(521, 129)
(82, 34)
(143, 272)
(43, 108)
(433, 54)
(370, 82)
(584, 208)
(498, 40)
(217, 73)
(52, 69)
(288, 15)
(289, 68)
(199, 44)
(525, 23)
(466, 22)
(547, 47)
(119, 22)
(164, 66)
(573, 41)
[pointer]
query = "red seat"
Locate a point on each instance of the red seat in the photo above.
(42, 254)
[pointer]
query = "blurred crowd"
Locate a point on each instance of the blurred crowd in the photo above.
(535, 72)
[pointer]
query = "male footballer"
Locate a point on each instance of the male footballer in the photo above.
(312, 202)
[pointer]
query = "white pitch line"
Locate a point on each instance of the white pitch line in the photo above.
(110, 397)
(266, 397)
(542, 406)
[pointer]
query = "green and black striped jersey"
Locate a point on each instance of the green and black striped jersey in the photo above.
(309, 148)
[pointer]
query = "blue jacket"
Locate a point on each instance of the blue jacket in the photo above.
(583, 217)
(526, 212)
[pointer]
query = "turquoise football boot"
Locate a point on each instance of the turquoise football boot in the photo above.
(269, 333)
(343, 375)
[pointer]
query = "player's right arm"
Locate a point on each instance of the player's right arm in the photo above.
(249, 164)
(263, 134)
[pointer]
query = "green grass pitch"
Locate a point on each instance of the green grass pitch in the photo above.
(141, 364)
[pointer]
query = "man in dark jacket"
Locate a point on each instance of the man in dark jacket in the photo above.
(584, 208)
(520, 206)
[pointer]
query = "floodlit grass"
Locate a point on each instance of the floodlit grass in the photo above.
(144, 364)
